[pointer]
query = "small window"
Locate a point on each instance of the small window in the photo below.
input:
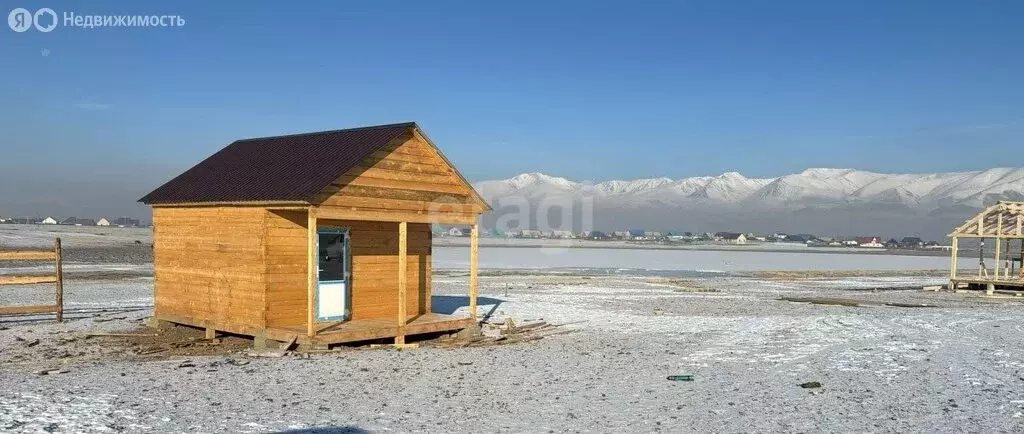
(332, 256)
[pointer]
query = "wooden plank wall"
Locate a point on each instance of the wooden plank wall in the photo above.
(286, 268)
(374, 250)
(209, 266)
(406, 181)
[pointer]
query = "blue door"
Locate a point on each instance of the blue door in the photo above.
(333, 274)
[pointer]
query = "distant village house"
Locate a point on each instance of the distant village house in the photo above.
(458, 232)
(75, 221)
(731, 237)
(870, 242)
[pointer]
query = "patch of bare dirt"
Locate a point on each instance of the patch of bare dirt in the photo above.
(147, 343)
(139, 344)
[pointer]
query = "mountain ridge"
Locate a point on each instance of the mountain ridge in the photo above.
(818, 200)
(927, 190)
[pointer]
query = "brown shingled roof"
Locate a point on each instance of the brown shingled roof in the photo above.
(282, 168)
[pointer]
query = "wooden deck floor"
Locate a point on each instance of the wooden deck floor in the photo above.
(1011, 283)
(366, 329)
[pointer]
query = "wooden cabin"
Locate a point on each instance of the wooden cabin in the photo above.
(998, 229)
(322, 237)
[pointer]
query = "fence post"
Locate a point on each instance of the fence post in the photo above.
(60, 279)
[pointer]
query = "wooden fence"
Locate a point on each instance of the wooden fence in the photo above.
(57, 278)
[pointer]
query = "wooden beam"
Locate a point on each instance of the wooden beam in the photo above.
(1008, 263)
(981, 259)
(403, 274)
(474, 249)
(348, 213)
(311, 272)
(26, 280)
(394, 183)
(58, 263)
(953, 262)
(22, 310)
(973, 235)
(26, 256)
(981, 224)
(999, 241)
(441, 206)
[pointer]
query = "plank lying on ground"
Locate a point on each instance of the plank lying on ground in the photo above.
(28, 256)
(287, 346)
(910, 305)
(822, 300)
(531, 326)
(26, 280)
(121, 335)
(850, 303)
(21, 310)
(534, 334)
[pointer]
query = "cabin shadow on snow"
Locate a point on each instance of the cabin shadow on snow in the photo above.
(448, 304)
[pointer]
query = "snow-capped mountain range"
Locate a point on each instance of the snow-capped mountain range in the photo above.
(833, 200)
(820, 186)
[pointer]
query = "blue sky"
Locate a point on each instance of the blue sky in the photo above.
(586, 90)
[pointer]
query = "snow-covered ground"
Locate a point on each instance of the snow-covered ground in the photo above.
(957, 366)
(41, 236)
(781, 247)
(954, 367)
(681, 260)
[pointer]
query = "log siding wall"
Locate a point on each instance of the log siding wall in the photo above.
(208, 266)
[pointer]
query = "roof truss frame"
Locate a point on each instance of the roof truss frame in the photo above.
(1002, 220)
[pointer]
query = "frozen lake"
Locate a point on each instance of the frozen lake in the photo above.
(678, 260)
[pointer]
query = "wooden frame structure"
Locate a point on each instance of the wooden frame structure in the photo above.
(1003, 223)
(253, 266)
(57, 278)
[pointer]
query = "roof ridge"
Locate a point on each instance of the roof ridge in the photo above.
(343, 130)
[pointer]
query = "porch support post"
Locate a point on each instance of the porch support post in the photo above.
(311, 271)
(953, 263)
(981, 258)
(59, 266)
(999, 242)
(474, 249)
(403, 247)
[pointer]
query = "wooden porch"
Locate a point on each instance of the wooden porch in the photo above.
(318, 332)
(368, 329)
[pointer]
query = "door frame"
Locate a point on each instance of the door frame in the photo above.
(348, 274)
